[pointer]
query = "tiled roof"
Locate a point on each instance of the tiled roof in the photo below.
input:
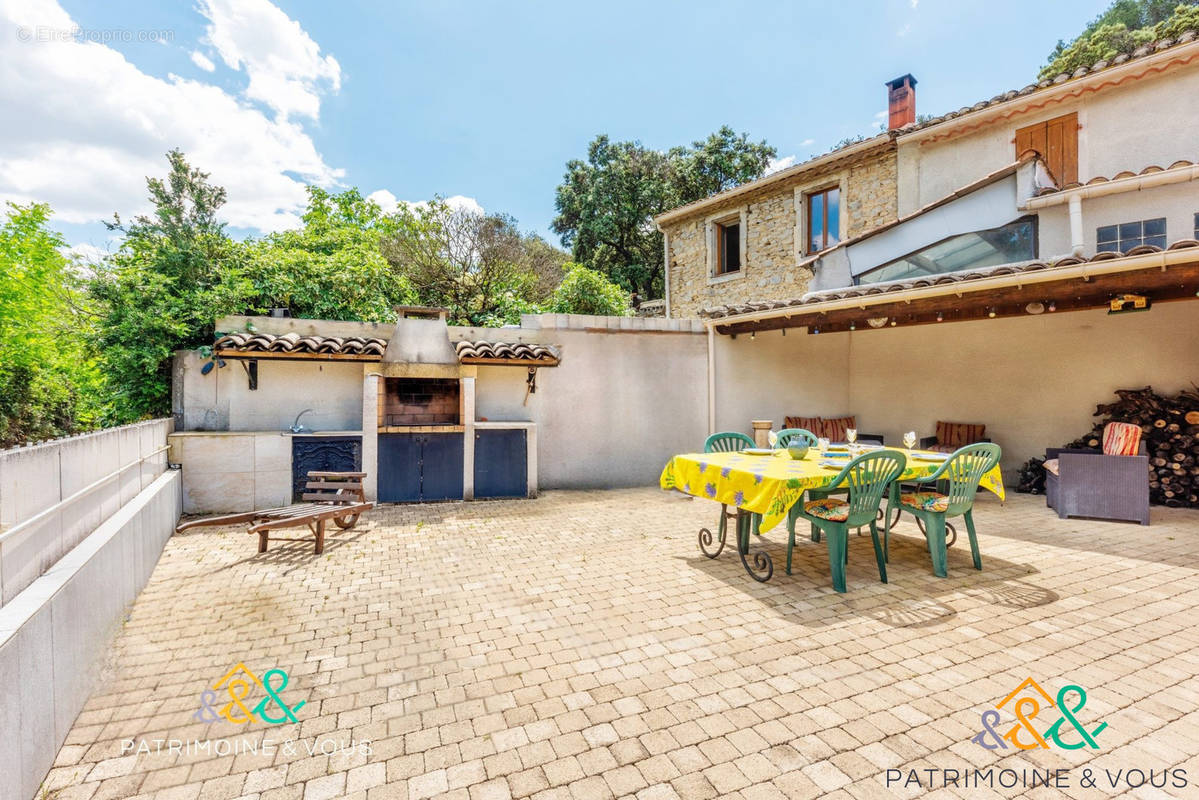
(1118, 176)
(868, 289)
(505, 351)
(297, 344)
(1121, 58)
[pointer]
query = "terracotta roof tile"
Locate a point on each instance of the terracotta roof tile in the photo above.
(294, 343)
(505, 351)
(864, 290)
(1139, 52)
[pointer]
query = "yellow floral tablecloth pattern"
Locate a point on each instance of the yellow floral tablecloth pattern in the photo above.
(769, 485)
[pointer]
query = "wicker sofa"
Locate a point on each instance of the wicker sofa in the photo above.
(1086, 483)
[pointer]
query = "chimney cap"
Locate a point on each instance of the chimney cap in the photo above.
(902, 80)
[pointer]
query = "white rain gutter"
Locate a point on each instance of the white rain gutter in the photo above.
(666, 268)
(1134, 183)
(1130, 184)
(1083, 271)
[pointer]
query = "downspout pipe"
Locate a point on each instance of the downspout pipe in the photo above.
(1076, 240)
(711, 376)
(666, 268)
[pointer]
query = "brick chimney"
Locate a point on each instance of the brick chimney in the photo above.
(901, 102)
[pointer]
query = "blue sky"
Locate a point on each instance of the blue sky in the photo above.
(485, 101)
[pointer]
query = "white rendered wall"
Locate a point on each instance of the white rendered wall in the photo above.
(1034, 381)
(1145, 122)
(222, 399)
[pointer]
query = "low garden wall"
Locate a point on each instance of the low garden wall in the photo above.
(53, 634)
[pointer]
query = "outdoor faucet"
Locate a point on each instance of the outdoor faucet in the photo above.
(296, 427)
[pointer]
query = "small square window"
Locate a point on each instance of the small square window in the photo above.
(728, 247)
(1127, 235)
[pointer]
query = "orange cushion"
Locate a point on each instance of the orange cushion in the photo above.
(1051, 466)
(925, 501)
(831, 508)
(835, 427)
(959, 434)
(812, 425)
(1121, 439)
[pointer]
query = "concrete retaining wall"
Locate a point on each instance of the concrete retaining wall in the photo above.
(54, 633)
(33, 480)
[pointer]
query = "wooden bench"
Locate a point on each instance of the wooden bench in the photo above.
(329, 496)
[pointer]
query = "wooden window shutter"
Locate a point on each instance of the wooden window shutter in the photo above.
(1057, 142)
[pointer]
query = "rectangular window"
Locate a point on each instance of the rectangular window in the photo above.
(1016, 241)
(728, 247)
(1057, 142)
(824, 219)
(1127, 235)
(1197, 226)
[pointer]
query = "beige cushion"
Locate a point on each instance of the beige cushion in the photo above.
(1051, 466)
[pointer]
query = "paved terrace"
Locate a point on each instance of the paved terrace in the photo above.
(579, 646)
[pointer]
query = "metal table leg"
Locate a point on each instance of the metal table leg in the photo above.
(762, 567)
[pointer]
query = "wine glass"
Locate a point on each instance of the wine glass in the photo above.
(851, 435)
(909, 439)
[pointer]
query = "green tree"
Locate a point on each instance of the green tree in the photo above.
(1125, 25)
(333, 266)
(606, 203)
(722, 161)
(479, 266)
(175, 273)
(585, 291)
(49, 383)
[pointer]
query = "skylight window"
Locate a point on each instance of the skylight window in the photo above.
(1015, 241)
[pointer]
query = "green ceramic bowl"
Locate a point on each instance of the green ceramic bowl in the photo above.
(797, 451)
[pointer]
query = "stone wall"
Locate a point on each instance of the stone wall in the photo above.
(772, 262)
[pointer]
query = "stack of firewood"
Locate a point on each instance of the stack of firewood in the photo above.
(1170, 430)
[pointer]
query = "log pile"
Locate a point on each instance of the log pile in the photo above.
(1170, 431)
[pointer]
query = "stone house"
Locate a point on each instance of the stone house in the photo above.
(1115, 157)
(755, 240)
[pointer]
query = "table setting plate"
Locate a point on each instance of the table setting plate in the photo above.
(758, 451)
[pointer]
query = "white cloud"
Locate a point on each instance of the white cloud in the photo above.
(776, 164)
(807, 142)
(87, 253)
(93, 126)
(388, 201)
(904, 31)
(284, 65)
(202, 61)
(915, 3)
(383, 199)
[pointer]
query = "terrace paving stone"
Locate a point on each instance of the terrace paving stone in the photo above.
(579, 646)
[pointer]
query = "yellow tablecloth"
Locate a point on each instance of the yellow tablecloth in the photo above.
(769, 485)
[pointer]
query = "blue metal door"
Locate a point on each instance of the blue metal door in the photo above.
(399, 467)
(501, 463)
(441, 466)
(420, 467)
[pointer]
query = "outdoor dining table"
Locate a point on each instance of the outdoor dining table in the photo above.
(764, 487)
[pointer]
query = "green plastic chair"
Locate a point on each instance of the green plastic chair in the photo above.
(727, 442)
(786, 435)
(866, 478)
(962, 472)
